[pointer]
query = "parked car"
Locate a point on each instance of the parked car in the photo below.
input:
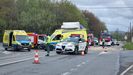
(115, 42)
(72, 45)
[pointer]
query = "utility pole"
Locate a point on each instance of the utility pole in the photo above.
(117, 32)
(131, 39)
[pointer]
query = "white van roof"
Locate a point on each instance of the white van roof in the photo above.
(70, 25)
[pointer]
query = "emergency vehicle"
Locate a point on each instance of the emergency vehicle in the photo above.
(67, 29)
(106, 37)
(38, 40)
(72, 44)
(16, 39)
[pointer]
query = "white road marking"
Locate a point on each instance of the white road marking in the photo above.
(102, 53)
(123, 73)
(7, 57)
(87, 61)
(17, 61)
(83, 63)
(78, 65)
(66, 73)
(73, 69)
(6, 52)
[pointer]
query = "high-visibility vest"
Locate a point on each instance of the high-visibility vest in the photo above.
(103, 40)
(48, 39)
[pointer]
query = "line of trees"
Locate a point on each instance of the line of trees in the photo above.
(44, 16)
(94, 24)
(118, 35)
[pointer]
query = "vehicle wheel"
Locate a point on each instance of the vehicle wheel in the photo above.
(76, 50)
(6, 49)
(112, 44)
(39, 47)
(16, 49)
(58, 52)
(117, 44)
(29, 49)
(86, 50)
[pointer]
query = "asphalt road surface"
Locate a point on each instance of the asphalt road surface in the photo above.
(96, 62)
(126, 62)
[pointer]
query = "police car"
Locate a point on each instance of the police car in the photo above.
(72, 45)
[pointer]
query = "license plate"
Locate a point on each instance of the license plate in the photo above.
(25, 48)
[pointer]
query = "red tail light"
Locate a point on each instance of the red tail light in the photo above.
(107, 39)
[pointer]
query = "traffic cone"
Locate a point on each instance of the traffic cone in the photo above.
(82, 53)
(36, 58)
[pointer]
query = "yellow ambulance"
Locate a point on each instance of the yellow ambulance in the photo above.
(16, 39)
(68, 29)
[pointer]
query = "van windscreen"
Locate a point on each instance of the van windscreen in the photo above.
(22, 37)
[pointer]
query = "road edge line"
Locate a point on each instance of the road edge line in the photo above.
(18, 61)
(118, 63)
(125, 71)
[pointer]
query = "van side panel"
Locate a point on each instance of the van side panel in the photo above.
(12, 43)
(67, 33)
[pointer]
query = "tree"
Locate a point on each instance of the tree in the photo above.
(42, 16)
(94, 24)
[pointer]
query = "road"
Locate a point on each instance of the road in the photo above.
(96, 62)
(126, 62)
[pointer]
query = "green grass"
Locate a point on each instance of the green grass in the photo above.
(128, 46)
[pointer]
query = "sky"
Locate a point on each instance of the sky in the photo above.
(116, 14)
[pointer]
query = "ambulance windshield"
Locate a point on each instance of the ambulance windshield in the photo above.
(22, 38)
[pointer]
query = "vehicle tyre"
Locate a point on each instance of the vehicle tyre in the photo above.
(39, 47)
(29, 49)
(76, 50)
(6, 49)
(16, 49)
(86, 50)
(112, 44)
(58, 52)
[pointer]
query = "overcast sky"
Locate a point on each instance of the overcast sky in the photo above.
(115, 13)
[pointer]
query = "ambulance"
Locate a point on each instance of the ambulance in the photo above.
(68, 29)
(16, 40)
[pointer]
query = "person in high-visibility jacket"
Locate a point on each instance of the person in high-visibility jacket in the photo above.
(48, 46)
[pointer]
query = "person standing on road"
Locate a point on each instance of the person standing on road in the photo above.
(103, 42)
(48, 45)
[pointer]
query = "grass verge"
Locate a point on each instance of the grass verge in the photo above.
(128, 46)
